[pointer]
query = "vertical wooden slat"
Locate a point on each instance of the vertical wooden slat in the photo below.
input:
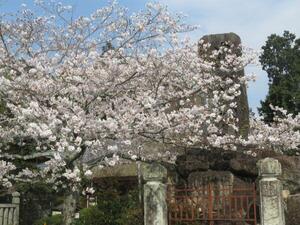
(236, 203)
(1, 216)
(247, 207)
(180, 213)
(254, 203)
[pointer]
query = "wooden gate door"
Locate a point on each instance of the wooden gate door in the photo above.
(212, 205)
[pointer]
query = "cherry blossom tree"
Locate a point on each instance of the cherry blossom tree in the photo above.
(106, 83)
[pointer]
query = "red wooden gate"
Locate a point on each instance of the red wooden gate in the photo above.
(212, 205)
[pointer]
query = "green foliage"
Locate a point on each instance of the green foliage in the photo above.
(281, 60)
(51, 220)
(113, 209)
(35, 201)
(90, 215)
(132, 211)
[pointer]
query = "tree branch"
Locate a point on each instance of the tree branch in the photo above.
(48, 154)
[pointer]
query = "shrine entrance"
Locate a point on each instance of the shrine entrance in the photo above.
(212, 204)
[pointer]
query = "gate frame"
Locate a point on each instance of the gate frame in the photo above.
(243, 196)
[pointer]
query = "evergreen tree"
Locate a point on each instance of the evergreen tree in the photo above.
(281, 60)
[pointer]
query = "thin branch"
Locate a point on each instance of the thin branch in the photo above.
(48, 154)
(3, 41)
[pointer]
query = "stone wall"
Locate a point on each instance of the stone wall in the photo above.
(200, 166)
(293, 209)
(242, 166)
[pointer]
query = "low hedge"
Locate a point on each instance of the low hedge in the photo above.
(51, 220)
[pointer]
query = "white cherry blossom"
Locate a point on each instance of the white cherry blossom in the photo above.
(108, 83)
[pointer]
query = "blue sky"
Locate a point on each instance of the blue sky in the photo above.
(252, 20)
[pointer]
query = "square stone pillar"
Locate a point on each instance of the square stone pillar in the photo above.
(16, 201)
(270, 188)
(155, 205)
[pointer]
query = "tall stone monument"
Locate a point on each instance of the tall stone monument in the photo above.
(216, 41)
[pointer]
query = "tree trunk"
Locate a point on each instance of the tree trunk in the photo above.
(69, 207)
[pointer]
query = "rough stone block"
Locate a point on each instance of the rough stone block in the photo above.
(293, 209)
(269, 167)
(154, 172)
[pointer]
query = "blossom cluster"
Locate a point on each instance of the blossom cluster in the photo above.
(107, 83)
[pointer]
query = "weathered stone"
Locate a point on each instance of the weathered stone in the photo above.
(203, 160)
(239, 164)
(197, 179)
(242, 111)
(291, 180)
(16, 201)
(69, 207)
(290, 176)
(293, 209)
(285, 194)
(154, 172)
(269, 167)
(271, 203)
(16, 198)
(217, 40)
(244, 167)
(155, 205)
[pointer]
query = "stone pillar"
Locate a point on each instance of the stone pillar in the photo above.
(69, 207)
(270, 188)
(16, 201)
(155, 205)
